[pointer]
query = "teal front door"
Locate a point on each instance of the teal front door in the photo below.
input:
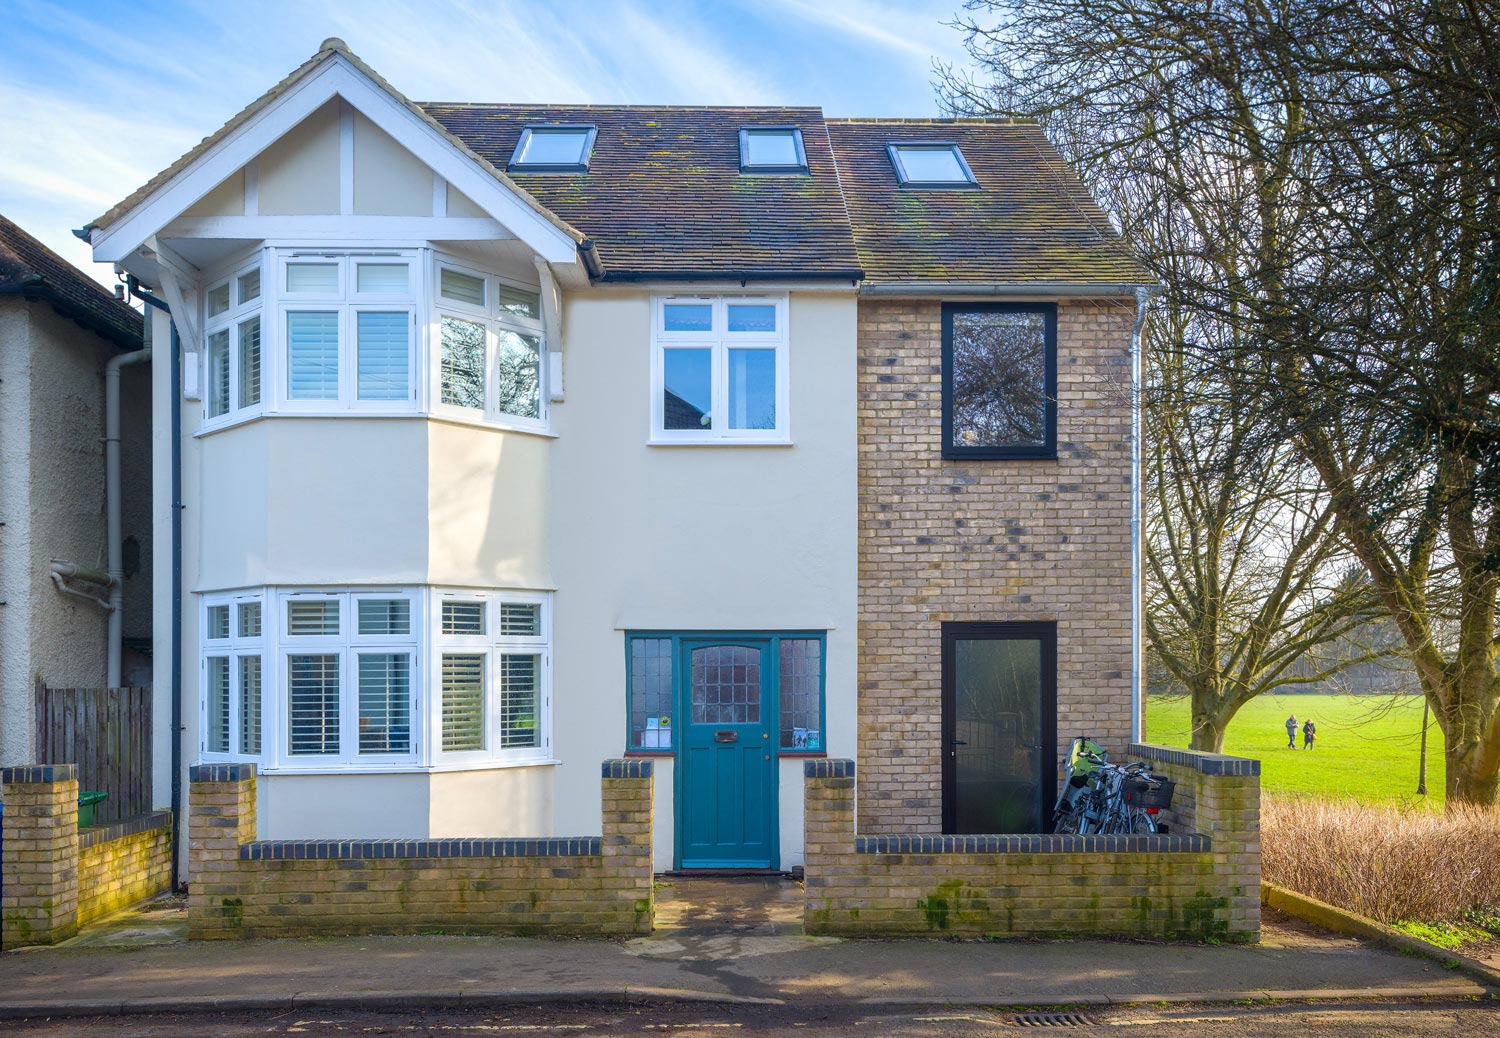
(726, 759)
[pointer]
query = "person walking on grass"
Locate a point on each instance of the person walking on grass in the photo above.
(1291, 732)
(1309, 733)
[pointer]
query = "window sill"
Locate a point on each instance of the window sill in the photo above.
(658, 442)
(428, 416)
(804, 754)
(399, 769)
(650, 753)
(980, 454)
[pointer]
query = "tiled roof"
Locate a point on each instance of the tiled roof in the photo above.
(30, 269)
(1030, 221)
(664, 195)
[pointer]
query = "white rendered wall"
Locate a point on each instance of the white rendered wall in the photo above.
(694, 538)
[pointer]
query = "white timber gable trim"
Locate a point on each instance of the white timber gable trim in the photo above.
(336, 77)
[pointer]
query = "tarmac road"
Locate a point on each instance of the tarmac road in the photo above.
(677, 1020)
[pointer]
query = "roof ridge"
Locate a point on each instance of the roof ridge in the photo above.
(618, 107)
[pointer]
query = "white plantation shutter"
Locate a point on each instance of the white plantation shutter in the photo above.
(520, 619)
(217, 625)
(463, 702)
(216, 734)
(249, 703)
(518, 701)
(384, 702)
(249, 285)
(313, 703)
(464, 288)
(384, 278)
(312, 347)
(463, 617)
(382, 342)
(312, 617)
(386, 616)
(249, 332)
(218, 373)
(249, 619)
(312, 278)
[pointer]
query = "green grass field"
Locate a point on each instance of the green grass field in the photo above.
(1367, 746)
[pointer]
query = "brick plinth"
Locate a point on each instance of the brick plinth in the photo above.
(585, 886)
(40, 877)
(985, 540)
(1199, 882)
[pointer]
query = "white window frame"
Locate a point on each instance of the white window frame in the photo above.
(719, 340)
(348, 303)
(233, 648)
(229, 321)
(426, 645)
(496, 321)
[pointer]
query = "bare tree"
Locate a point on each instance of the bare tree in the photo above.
(1336, 168)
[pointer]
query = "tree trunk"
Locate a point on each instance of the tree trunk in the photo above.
(1208, 733)
(1422, 762)
(1468, 781)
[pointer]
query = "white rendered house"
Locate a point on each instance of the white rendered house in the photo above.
(511, 439)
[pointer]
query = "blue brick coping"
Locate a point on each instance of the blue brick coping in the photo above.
(129, 827)
(1050, 843)
(221, 772)
(34, 774)
(368, 850)
(629, 768)
(829, 768)
(1203, 763)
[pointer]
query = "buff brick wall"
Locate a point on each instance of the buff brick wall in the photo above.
(56, 877)
(985, 540)
(1201, 883)
(587, 886)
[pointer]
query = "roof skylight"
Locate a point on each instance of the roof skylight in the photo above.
(554, 149)
(930, 164)
(772, 149)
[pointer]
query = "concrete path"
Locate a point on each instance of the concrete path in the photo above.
(717, 940)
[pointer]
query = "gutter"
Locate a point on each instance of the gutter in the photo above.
(741, 276)
(175, 368)
(1005, 289)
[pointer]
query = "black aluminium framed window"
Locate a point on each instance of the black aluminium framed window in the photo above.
(797, 665)
(999, 687)
(1000, 380)
(930, 164)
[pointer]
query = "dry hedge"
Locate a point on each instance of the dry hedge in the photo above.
(1384, 861)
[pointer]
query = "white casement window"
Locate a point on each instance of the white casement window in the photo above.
(492, 676)
(487, 348)
(232, 686)
(719, 370)
(232, 335)
(339, 679)
(348, 332)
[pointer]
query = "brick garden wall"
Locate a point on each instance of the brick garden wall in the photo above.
(123, 863)
(985, 540)
(58, 877)
(585, 886)
(1201, 881)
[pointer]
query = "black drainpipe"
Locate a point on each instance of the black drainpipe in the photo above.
(176, 398)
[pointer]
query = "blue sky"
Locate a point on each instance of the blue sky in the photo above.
(97, 97)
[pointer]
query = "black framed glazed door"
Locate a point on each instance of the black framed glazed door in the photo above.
(999, 726)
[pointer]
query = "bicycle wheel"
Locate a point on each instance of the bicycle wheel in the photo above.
(1141, 822)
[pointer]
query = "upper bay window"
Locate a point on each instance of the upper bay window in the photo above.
(930, 164)
(405, 678)
(999, 380)
(553, 149)
(401, 332)
(719, 370)
(772, 149)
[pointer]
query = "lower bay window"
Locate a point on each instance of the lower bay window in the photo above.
(393, 679)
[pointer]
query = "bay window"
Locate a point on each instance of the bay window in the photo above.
(719, 370)
(347, 687)
(323, 333)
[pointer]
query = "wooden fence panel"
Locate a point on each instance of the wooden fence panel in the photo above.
(106, 732)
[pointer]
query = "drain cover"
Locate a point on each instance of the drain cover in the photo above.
(1053, 1020)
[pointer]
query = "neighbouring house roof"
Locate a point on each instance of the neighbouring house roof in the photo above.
(1030, 219)
(664, 196)
(31, 270)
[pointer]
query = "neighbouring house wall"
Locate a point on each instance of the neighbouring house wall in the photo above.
(1201, 881)
(985, 540)
(16, 586)
(135, 504)
(583, 886)
(693, 538)
(123, 863)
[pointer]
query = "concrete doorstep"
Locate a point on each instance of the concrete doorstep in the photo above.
(718, 940)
